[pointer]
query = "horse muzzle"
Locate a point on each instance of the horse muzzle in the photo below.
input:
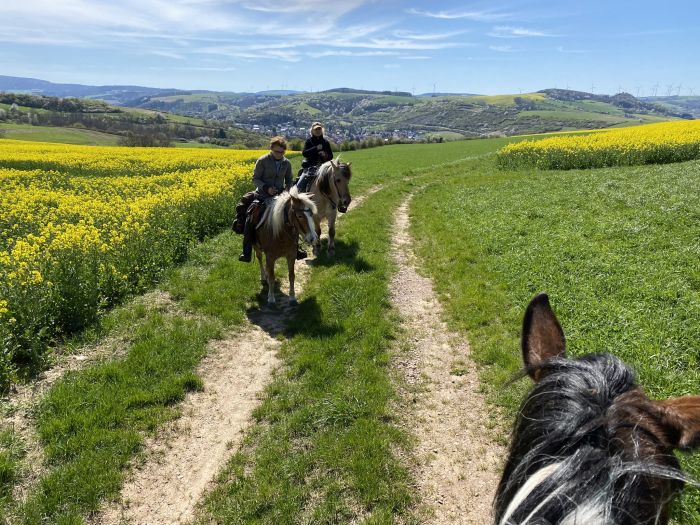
(342, 209)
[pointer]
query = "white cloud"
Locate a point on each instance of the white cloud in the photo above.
(517, 32)
(502, 49)
(390, 43)
(455, 15)
(166, 54)
(320, 8)
(38, 38)
(347, 53)
(411, 35)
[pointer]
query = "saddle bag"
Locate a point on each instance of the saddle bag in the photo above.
(242, 210)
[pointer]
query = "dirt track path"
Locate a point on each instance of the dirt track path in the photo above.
(458, 462)
(183, 459)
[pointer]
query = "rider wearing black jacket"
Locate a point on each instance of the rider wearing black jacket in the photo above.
(317, 149)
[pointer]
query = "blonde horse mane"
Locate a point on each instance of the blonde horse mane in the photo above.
(277, 218)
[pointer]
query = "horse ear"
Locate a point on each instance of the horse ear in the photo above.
(349, 164)
(542, 336)
(334, 164)
(680, 417)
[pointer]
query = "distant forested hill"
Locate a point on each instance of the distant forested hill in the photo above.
(18, 111)
(351, 113)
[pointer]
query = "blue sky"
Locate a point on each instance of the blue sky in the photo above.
(449, 46)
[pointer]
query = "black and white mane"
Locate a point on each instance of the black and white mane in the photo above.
(588, 446)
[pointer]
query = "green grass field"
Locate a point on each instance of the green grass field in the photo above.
(55, 134)
(616, 249)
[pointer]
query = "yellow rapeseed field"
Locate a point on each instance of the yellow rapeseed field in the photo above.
(650, 144)
(81, 226)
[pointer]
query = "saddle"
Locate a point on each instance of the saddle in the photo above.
(306, 176)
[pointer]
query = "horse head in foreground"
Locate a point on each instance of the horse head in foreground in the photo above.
(290, 216)
(589, 447)
(331, 194)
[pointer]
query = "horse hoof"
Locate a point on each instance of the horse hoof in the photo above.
(293, 301)
(331, 253)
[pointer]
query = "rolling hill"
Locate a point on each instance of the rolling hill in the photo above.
(352, 113)
(86, 121)
(689, 105)
(356, 114)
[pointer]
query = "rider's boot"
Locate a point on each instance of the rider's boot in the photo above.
(247, 254)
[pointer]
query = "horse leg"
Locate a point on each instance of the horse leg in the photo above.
(291, 259)
(263, 276)
(331, 235)
(317, 244)
(270, 267)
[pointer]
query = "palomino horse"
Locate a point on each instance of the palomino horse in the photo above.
(589, 447)
(278, 233)
(331, 194)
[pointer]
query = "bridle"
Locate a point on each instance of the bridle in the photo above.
(294, 217)
(334, 205)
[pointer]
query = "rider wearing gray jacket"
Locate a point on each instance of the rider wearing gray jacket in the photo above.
(272, 175)
(273, 171)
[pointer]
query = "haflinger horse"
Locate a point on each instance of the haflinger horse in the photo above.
(331, 194)
(589, 447)
(278, 233)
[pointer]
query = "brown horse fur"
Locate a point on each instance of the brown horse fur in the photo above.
(589, 447)
(277, 236)
(331, 194)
